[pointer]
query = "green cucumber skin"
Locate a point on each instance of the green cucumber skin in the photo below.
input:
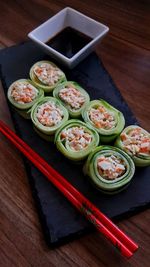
(72, 158)
(38, 84)
(49, 90)
(76, 114)
(110, 135)
(110, 192)
(114, 186)
(139, 162)
(77, 157)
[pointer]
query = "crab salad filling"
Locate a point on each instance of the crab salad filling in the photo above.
(136, 142)
(102, 118)
(73, 97)
(23, 93)
(110, 167)
(77, 137)
(49, 114)
(47, 73)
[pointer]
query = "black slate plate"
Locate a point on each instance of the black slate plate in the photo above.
(60, 221)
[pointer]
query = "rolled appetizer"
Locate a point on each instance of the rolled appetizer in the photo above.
(22, 94)
(73, 97)
(110, 169)
(106, 120)
(75, 140)
(46, 75)
(136, 142)
(47, 116)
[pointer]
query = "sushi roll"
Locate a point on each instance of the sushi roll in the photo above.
(135, 141)
(46, 75)
(47, 116)
(22, 94)
(73, 97)
(106, 120)
(109, 168)
(75, 140)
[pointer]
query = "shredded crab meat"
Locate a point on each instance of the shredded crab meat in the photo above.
(49, 114)
(77, 138)
(73, 97)
(102, 118)
(110, 167)
(47, 73)
(136, 142)
(23, 92)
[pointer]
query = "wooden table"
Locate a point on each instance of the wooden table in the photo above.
(125, 54)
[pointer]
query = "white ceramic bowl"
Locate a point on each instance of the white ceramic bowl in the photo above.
(69, 17)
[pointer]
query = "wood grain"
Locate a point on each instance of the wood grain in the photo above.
(125, 54)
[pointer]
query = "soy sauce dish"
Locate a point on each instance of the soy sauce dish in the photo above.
(69, 36)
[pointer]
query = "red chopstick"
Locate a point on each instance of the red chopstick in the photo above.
(104, 224)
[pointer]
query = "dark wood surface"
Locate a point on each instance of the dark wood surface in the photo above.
(125, 53)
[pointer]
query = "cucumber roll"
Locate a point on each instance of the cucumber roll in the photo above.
(47, 116)
(136, 142)
(106, 120)
(46, 75)
(110, 169)
(22, 94)
(75, 140)
(73, 97)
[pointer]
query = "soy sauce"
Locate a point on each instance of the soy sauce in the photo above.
(69, 41)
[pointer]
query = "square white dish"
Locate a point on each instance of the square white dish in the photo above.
(69, 17)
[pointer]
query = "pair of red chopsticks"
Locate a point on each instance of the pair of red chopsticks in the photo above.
(104, 225)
